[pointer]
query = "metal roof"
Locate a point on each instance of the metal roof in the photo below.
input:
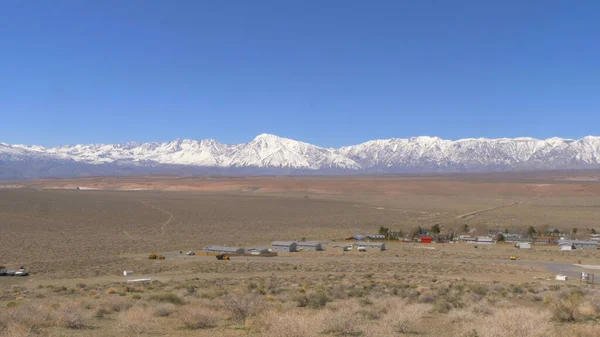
(283, 243)
(577, 242)
(222, 248)
(308, 243)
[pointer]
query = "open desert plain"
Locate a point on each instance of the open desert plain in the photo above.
(77, 236)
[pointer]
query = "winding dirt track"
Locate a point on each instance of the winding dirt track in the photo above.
(164, 225)
(472, 214)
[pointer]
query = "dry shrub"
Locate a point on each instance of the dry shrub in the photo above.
(111, 291)
(164, 309)
(167, 298)
(117, 304)
(243, 306)
(582, 331)
(461, 316)
(404, 319)
(27, 319)
(195, 317)
(343, 322)
(4, 322)
(515, 322)
(483, 308)
(138, 320)
(19, 330)
(287, 324)
(71, 315)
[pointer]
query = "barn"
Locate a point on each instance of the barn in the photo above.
(224, 250)
(309, 246)
(284, 246)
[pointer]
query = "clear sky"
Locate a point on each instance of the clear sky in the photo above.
(327, 72)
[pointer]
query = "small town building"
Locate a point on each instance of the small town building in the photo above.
(565, 245)
(523, 245)
(356, 238)
(375, 245)
(284, 246)
(467, 238)
(224, 250)
(522, 239)
(366, 237)
(257, 251)
(485, 240)
(309, 245)
(545, 240)
(426, 239)
(579, 244)
(511, 237)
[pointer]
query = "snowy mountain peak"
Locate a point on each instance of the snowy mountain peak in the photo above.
(268, 151)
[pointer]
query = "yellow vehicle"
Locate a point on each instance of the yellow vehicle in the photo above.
(513, 258)
(154, 256)
(222, 257)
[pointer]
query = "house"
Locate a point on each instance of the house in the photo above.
(284, 246)
(224, 250)
(523, 245)
(426, 239)
(376, 237)
(375, 245)
(309, 246)
(257, 251)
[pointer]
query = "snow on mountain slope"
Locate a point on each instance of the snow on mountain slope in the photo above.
(272, 151)
(417, 154)
(435, 154)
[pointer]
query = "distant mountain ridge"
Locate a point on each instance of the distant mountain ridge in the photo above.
(270, 154)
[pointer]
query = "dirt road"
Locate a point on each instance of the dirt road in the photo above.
(164, 225)
(472, 214)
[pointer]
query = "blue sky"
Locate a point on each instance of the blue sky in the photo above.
(328, 72)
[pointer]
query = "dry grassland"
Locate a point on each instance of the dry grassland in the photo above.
(76, 243)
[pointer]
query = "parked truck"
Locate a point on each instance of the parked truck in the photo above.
(13, 272)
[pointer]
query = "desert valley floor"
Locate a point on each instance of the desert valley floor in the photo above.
(76, 236)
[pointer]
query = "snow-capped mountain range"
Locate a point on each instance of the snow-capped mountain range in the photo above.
(272, 154)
